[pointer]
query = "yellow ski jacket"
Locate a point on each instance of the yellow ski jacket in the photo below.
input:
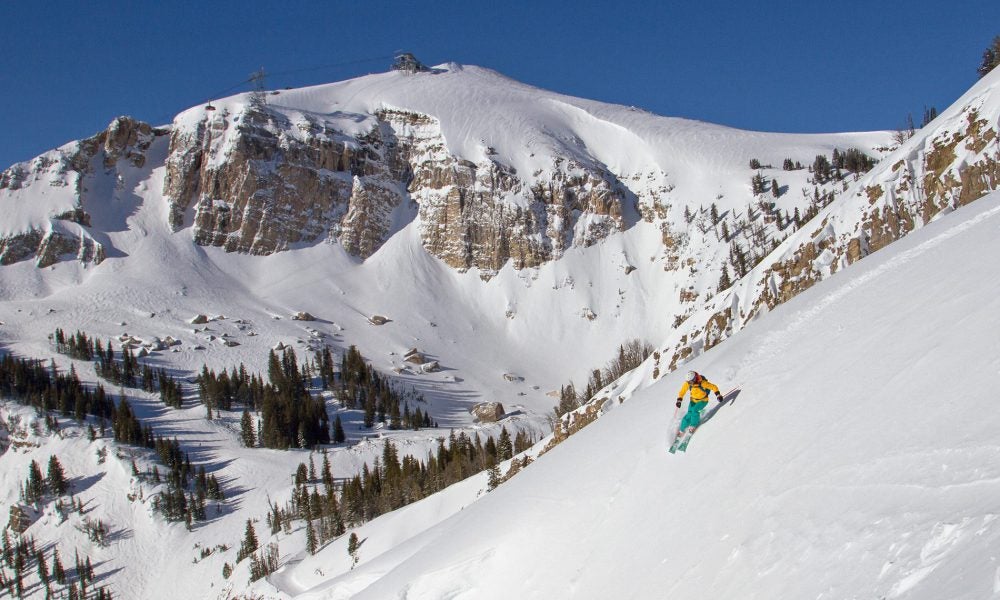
(699, 389)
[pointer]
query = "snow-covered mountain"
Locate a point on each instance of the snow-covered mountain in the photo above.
(513, 236)
(859, 460)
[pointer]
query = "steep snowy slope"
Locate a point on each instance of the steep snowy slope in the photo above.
(860, 460)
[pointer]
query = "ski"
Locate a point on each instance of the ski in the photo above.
(681, 441)
(687, 440)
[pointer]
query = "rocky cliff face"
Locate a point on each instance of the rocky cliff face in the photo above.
(258, 181)
(58, 226)
(482, 214)
(953, 161)
(947, 167)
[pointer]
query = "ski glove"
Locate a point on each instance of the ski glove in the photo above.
(718, 396)
(679, 400)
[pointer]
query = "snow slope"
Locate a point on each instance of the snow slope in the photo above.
(531, 323)
(861, 460)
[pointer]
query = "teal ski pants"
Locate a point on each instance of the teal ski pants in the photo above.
(692, 418)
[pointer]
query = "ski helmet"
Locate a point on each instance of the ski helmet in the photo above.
(691, 375)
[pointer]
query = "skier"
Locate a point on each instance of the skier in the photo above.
(699, 388)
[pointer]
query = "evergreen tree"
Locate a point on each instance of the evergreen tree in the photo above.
(775, 190)
(821, 168)
(56, 479)
(247, 435)
(505, 449)
(494, 478)
(249, 545)
(34, 488)
(929, 115)
(311, 544)
(327, 474)
(724, 281)
(43, 568)
(991, 58)
(338, 431)
(568, 400)
(58, 572)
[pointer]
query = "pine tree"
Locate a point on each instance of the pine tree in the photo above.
(327, 474)
(249, 545)
(775, 190)
(338, 431)
(58, 572)
(43, 568)
(247, 435)
(991, 58)
(311, 543)
(724, 281)
(493, 478)
(505, 449)
(34, 488)
(821, 169)
(929, 115)
(56, 479)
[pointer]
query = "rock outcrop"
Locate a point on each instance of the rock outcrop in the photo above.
(951, 162)
(259, 183)
(488, 412)
(60, 227)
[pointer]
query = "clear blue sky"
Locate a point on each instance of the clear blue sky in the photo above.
(68, 68)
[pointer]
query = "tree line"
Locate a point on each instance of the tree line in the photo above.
(28, 382)
(19, 556)
(630, 355)
(290, 415)
(392, 482)
(125, 372)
